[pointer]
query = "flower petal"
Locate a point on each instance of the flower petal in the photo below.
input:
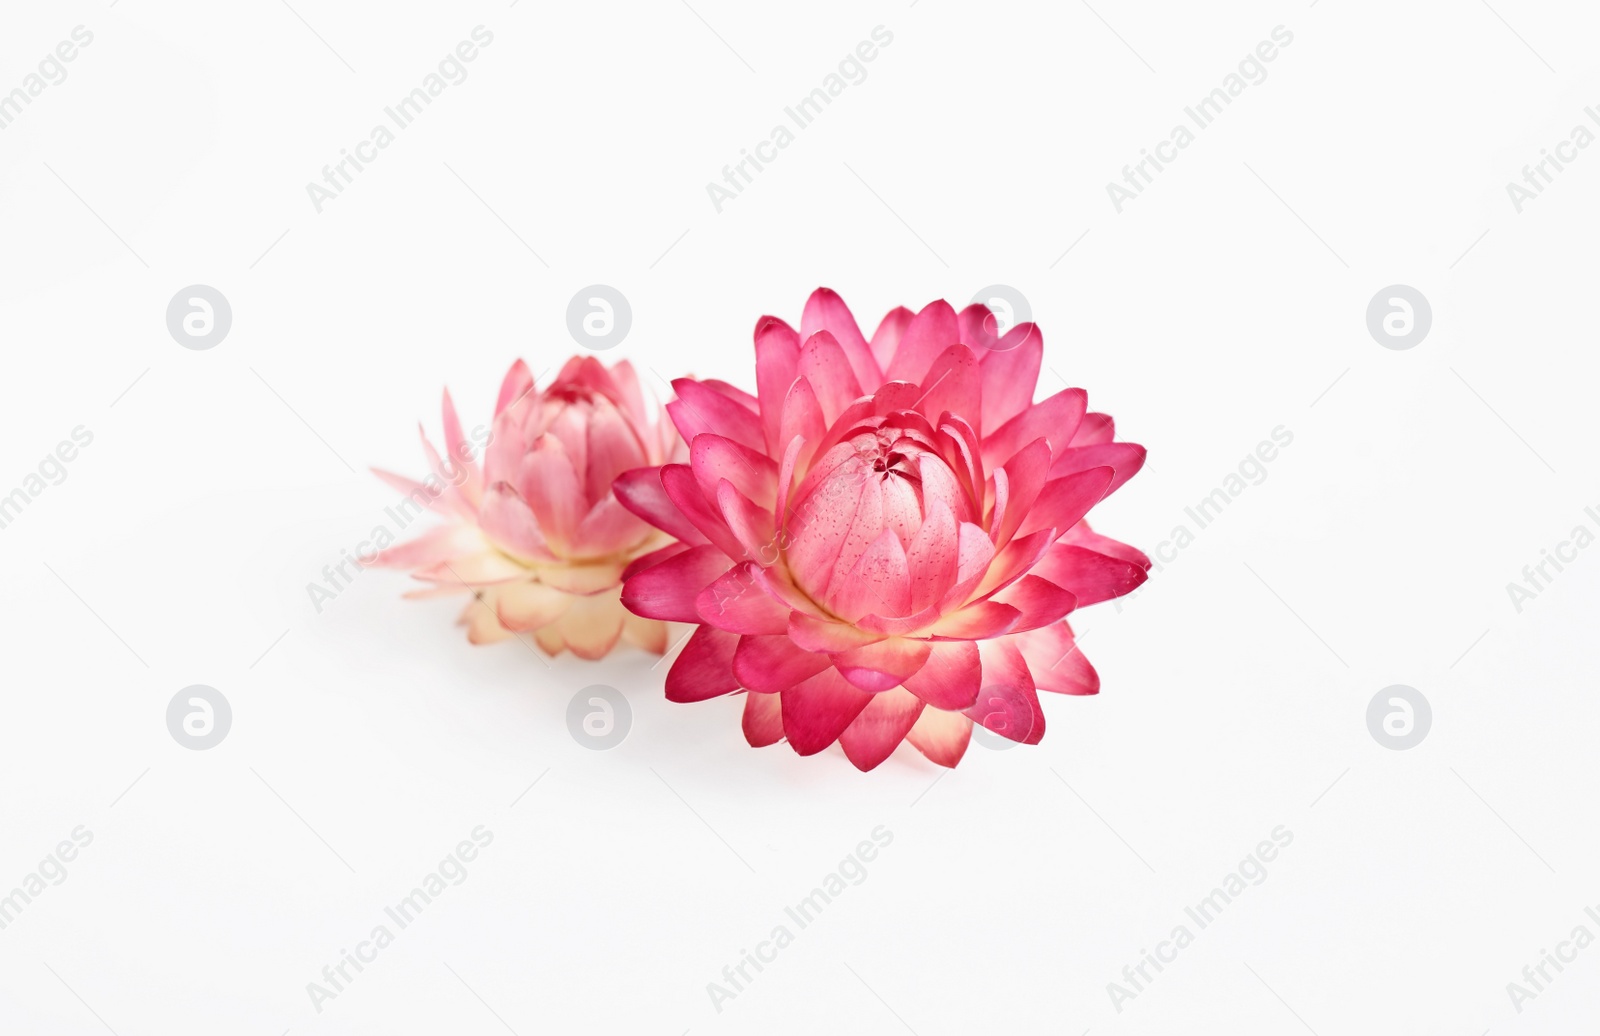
(704, 669)
(700, 408)
(1090, 576)
(1125, 458)
(941, 736)
(669, 590)
(1008, 704)
(1040, 601)
(880, 582)
(1064, 501)
(550, 485)
(517, 387)
(885, 664)
(1055, 661)
(880, 727)
(641, 492)
(714, 458)
(817, 711)
(772, 664)
(814, 634)
(763, 720)
(886, 339)
(1055, 419)
(952, 384)
(777, 356)
(951, 677)
(1011, 374)
(826, 311)
(930, 333)
(591, 626)
(980, 621)
(739, 603)
(824, 364)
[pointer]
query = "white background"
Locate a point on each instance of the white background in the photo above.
(369, 739)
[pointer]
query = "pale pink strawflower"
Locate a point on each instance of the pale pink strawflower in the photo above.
(884, 542)
(535, 534)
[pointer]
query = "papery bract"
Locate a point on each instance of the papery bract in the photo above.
(884, 542)
(535, 533)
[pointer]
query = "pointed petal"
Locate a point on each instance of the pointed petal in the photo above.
(527, 606)
(700, 409)
(550, 485)
(1055, 661)
(886, 339)
(951, 677)
(1011, 375)
(441, 543)
(941, 736)
(1040, 601)
(826, 311)
(591, 626)
(930, 333)
(888, 663)
(517, 386)
(1056, 420)
(714, 458)
(980, 621)
(507, 520)
(1090, 576)
(641, 492)
(669, 590)
(879, 584)
(1026, 474)
(1064, 501)
(739, 603)
(933, 556)
(777, 356)
(827, 636)
(824, 364)
(880, 727)
(704, 669)
(774, 664)
(1008, 704)
(816, 711)
(952, 385)
(609, 529)
(1125, 458)
(763, 720)
(685, 493)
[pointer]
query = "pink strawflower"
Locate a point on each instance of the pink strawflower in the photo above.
(885, 541)
(536, 534)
